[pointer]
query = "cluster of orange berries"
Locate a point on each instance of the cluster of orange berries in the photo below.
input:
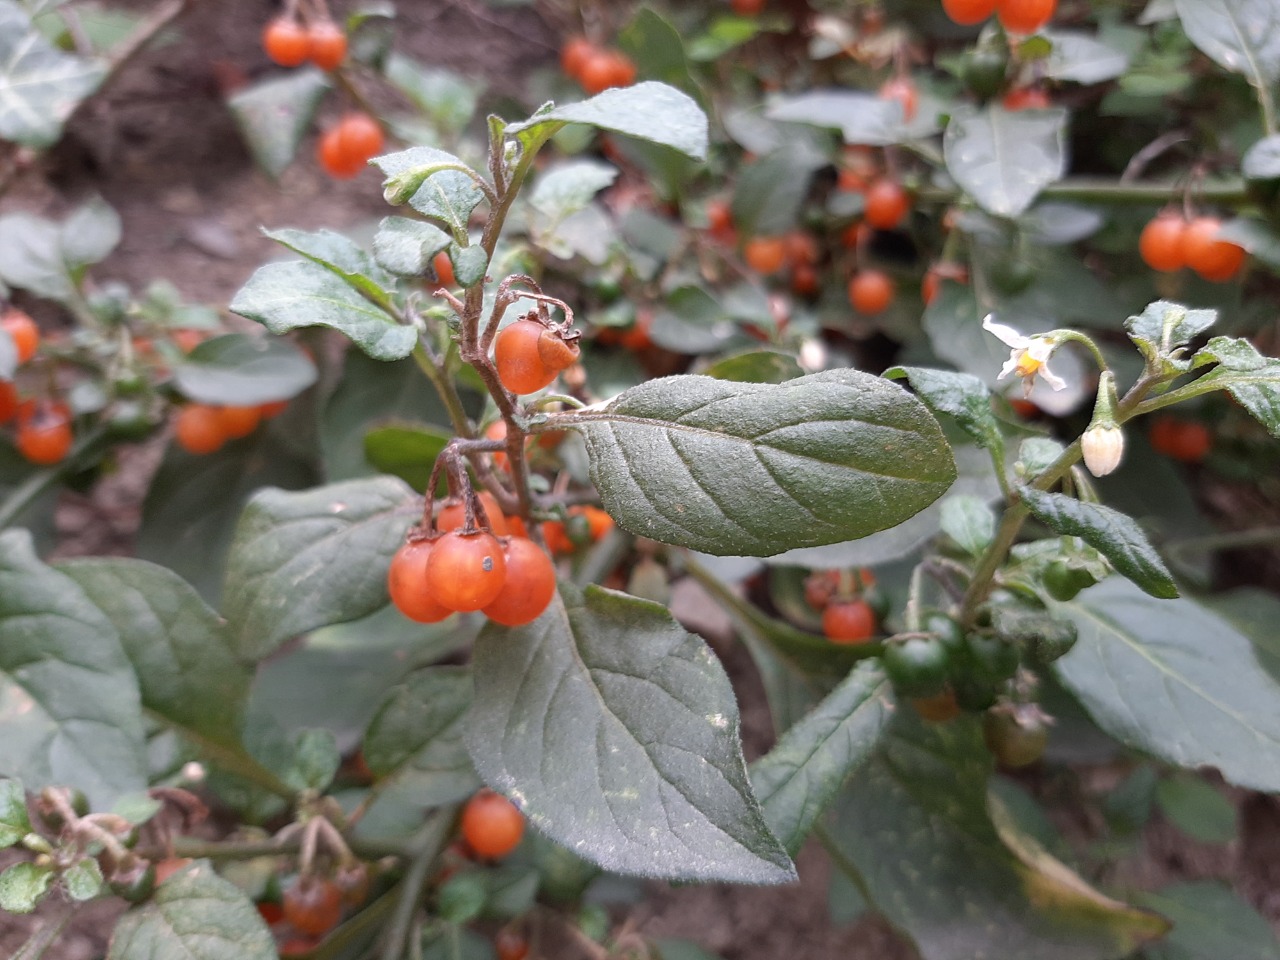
(44, 435)
(1186, 440)
(841, 596)
(1171, 242)
(201, 428)
(291, 43)
(1016, 16)
(596, 68)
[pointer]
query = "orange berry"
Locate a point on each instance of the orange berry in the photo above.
(273, 409)
(491, 825)
(1184, 440)
(333, 156)
(8, 400)
(1213, 259)
(444, 269)
(199, 429)
(636, 337)
(719, 218)
(870, 291)
(518, 359)
(604, 69)
(849, 622)
(932, 283)
(940, 708)
(556, 538)
(765, 254)
(328, 44)
(498, 431)
(286, 42)
(1026, 98)
(1161, 242)
(313, 906)
(44, 432)
(466, 570)
(24, 333)
(887, 204)
(804, 280)
(529, 586)
(1025, 16)
(407, 583)
(574, 55)
(239, 421)
(509, 945)
(968, 12)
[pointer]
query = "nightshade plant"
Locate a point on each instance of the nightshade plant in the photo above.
(611, 728)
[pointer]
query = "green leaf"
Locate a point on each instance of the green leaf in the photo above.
(657, 49)
(407, 246)
(1262, 160)
(470, 264)
(1209, 923)
(39, 84)
(14, 822)
(1233, 353)
(239, 370)
(916, 826)
(83, 879)
(447, 99)
(1257, 390)
(405, 451)
(274, 116)
(800, 777)
(1114, 534)
(1081, 58)
(648, 110)
(90, 233)
(31, 256)
(187, 671)
(568, 188)
(194, 915)
(756, 469)
(429, 181)
(69, 703)
(1164, 328)
(970, 522)
(769, 192)
(1239, 35)
(958, 395)
(862, 118)
(756, 366)
(617, 733)
(341, 256)
(1197, 809)
(1173, 679)
(299, 293)
(304, 560)
(1254, 612)
(1002, 158)
(23, 886)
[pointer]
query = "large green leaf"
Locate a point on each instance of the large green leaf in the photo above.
(39, 84)
(1171, 678)
(1164, 328)
(959, 395)
(406, 246)
(1257, 390)
(1114, 534)
(194, 915)
(650, 111)
(916, 828)
(340, 255)
(1082, 58)
(31, 256)
(276, 114)
(406, 450)
(1004, 158)
(656, 46)
(617, 734)
(301, 293)
(90, 233)
(1209, 923)
(861, 117)
(799, 778)
(69, 703)
(240, 370)
(1241, 35)
(186, 669)
(305, 560)
(754, 469)
(770, 191)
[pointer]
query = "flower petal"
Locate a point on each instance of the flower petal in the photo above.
(1006, 335)
(1051, 378)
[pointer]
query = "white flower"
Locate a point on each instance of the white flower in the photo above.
(1103, 447)
(1028, 356)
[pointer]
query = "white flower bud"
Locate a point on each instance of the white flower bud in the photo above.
(1103, 448)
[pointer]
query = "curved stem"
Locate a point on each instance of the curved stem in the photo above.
(1230, 192)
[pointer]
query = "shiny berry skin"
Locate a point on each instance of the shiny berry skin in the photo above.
(1025, 16)
(1161, 243)
(239, 421)
(454, 515)
(44, 432)
(904, 92)
(1025, 98)
(312, 906)
(466, 571)
(529, 586)
(444, 269)
(849, 622)
(1184, 440)
(917, 667)
(8, 400)
(887, 204)
(765, 254)
(328, 45)
(199, 429)
(574, 55)
(1214, 259)
(407, 584)
(286, 42)
(24, 333)
(870, 291)
(968, 12)
(491, 825)
(518, 358)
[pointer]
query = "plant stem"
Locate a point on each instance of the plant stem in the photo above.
(444, 387)
(423, 850)
(1102, 190)
(199, 849)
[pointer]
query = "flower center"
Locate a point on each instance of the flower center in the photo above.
(1028, 365)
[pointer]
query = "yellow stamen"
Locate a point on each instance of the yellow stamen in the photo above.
(1028, 365)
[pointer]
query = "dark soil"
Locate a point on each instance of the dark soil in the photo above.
(162, 149)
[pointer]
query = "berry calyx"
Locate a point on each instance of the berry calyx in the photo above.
(44, 432)
(328, 44)
(887, 204)
(286, 42)
(491, 825)
(313, 906)
(765, 254)
(199, 429)
(849, 622)
(871, 291)
(1161, 243)
(529, 586)
(968, 12)
(407, 584)
(24, 333)
(1025, 16)
(466, 571)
